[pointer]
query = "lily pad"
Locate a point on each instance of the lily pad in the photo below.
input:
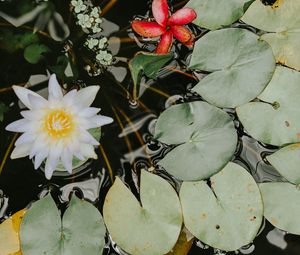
(240, 63)
(275, 120)
(9, 234)
(151, 227)
(81, 231)
(282, 18)
(205, 136)
(214, 14)
(282, 205)
(287, 162)
(225, 213)
(147, 64)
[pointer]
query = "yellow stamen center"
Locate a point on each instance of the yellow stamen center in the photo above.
(58, 123)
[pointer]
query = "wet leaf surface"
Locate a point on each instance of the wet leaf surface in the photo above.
(233, 55)
(283, 20)
(275, 120)
(225, 213)
(214, 14)
(81, 231)
(152, 227)
(282, 205)
(205, 136)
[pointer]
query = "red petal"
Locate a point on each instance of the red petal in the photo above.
(160, 10)
(181, 33)
(165, 43)
(182, 16)
(147, 29)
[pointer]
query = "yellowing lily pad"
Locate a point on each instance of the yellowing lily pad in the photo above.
(240, 64)
(205, 137)
(214, 14)
(275, 120)
(287, 162)
(9, 234)
(80, 232)
(225, 213)
(150, 227)
(283, 20)
(282, 205)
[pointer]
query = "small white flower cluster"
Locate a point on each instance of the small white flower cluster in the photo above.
(88, 17)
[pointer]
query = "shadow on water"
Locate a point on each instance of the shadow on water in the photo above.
(126, 145)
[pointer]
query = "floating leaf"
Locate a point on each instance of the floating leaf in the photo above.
(225, 213)
(282, 205)
(9, 234)
(151, 227)
(81, 231)
(241, 64)
(283, 19)
(34, 52)
(148, 64)
(3, 110)
(275, 120)
(287, 162)
(205, 136)
(214, 14)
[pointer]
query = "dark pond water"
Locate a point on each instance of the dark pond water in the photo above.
(126, 145)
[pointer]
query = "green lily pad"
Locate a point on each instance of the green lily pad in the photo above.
(240, 63)
(34, 52)
(282, 205)
(287, 162)
(282, 18)
(225, 214)
(214, 14)
(147, 64)
(275, 120)
(205, 136)
(81, 231)
(151, 227)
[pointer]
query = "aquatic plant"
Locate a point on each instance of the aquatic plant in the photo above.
(57, 129)
(167, 27)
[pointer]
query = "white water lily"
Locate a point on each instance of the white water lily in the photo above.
(57, 129)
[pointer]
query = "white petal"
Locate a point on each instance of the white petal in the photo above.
(66, 159)
(69, 97)
(86, 96)
(99, 121)
(88, 151)
(23, 93)
(37, 102)
(86, 137)
(88, 112)
(55, 93)
(75, 148)
(40, 156)
(21, 125)
(52, 160)
(25, 138)
(39, 144)
(33, 114)
(49, 168)
(21, 151)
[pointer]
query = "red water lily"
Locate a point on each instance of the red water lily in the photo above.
(167, 27)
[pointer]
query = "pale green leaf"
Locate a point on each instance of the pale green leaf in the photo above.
(275, 120)
(205, 136)
(151, 227)
(282, 205)
(241, 66)
(214, 14)
(81, 231)
(287, 162)
(225, 214)
(283, 19)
